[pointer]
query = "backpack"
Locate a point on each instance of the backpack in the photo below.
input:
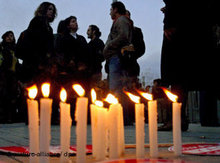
(137, 47)
(138, 42)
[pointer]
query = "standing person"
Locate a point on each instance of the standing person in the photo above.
(95, 47)
(138, 43)
(129, 60)
(9, 82)
(35, 47)
(57, 43)
(120, 35)
(75, 50)
(186, 43)
(210, 95)
(37, 43)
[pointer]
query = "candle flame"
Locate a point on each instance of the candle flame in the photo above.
(111, 99)
(79, 89)
(93, 95)
(134, 98)
(63, 95)
(170, 95)
(32, 92)
(99, 103)
(45, 88)
(146, 95)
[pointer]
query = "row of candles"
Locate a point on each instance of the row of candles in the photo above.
(106, 123)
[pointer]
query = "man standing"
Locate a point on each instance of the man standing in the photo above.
(95, 47)
(187, 49)
(120, 36)
(138, 43)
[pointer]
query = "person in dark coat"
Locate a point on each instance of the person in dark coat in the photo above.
(75, 49)
(35, 47)
(9, 83)
(119, 38)
(38, 40)
(57, 42)
(95, 47)
(187, 44)
(138, 43)
(76, 58)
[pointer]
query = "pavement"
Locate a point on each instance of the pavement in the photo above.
(17, 135)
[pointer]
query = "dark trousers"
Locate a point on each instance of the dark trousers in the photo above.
(208, 108)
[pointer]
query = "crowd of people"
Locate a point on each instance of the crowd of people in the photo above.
(65, 58)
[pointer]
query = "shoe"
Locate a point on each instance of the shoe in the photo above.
(165, 127)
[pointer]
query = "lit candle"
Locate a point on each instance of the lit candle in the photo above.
(101, 131)
(65, 127)
(116, 135)
(94, 123)
(176, 114)
(152, 123)
(33, 123)
(81, 125)
(139, 122)
(45, 122)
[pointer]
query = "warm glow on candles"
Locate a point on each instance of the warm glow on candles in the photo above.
(170, 95)
(81, 125)
(135, 99)
(33, 122)
(93, 95)
(45, 121)
(176, 118)
(63, 95)
(79, 90)
(139, 124)
(45, 88)
(147, 96)
(32, 92)
(111, 99)
(99, 103)
(152, 123)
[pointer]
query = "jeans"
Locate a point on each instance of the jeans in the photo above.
(117, 81)
(115, 75)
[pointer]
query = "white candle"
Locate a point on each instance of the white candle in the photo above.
(152, 123)
(94, 129)
(81, 125)
(45, 123)
(139, 122)
(114, 131)
(33, 124)
(101, 132)
(121, 131)
(176, 113)
(115, 148)
(177, 141)
(65, 127)
(107, 133)
(93, 115)
(140, 133)
(81, 128)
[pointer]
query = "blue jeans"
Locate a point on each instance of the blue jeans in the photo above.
(117, 80)
(115, 75)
